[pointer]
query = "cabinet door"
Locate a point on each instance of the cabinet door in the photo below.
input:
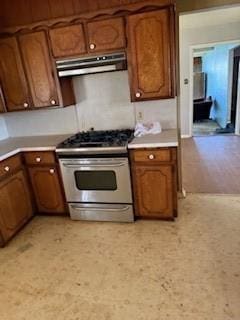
(39, 69)
(15, 204)
(150, 55)
(47, 189)
(106, 35)
(12, 76)
(68, 41)
(154, 191)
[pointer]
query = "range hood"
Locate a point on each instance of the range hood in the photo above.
(92, 64)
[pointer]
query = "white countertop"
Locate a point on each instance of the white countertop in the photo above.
(12, 146)
(167, 138)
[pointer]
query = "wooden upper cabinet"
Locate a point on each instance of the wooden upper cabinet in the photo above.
(106, 35)
(39, 69)
(12, 76)
(151, 54)
(15, 205)
(68, 41)
(102, 36)
(47, 189)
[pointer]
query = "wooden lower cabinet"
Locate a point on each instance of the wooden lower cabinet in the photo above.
(47, 188)
(154, 185)
(15, 205)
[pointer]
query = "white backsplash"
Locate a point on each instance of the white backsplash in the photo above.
(103, 102)
(3, 129)
(42, 122)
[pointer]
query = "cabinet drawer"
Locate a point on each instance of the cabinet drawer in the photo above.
(42, 157)
(9, 165)
(153, 155)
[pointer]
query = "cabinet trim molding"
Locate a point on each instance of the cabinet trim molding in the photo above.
(117, 11)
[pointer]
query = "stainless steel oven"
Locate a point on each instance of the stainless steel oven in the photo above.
(98, 188)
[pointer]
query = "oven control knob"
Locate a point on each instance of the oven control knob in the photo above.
(52, 171)
(38, 159)
(151, 156)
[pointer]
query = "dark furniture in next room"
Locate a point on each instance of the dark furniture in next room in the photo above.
(201, 109)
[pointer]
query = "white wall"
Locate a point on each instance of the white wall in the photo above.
(3, 129)
(103, 102)
(197, 36)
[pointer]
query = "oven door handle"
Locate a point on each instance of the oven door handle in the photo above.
(125, 208)
(90, 165)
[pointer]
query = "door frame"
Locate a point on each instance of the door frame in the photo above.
(237, 126)
(191, 55)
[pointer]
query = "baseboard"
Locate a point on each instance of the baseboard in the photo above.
(182, 194)
(184, 136)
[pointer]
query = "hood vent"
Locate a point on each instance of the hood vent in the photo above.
(93, 64)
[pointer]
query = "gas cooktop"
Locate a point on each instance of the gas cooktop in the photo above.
(91, 142)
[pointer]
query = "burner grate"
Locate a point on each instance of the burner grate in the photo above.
(91, 139)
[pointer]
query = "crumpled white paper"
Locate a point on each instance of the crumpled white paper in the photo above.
(143, 129)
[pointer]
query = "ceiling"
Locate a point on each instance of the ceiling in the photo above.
(210, 18)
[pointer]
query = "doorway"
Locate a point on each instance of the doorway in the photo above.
(235, 88)
(209, 52)
(215, 85)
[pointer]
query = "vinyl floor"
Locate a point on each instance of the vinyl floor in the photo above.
(60, 269)
(205, 128)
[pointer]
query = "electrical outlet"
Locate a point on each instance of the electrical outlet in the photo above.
(139, 116)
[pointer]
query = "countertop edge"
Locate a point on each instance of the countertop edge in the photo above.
(25, 149)
(169, 142)
(152, 145)
(53, 148)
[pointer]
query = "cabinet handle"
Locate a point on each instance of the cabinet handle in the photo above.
(7, 169)
(151, 156)
(38, 159)
(53, 102)
(25, 104)
(52, 171)
(138, 95)
(92, 46)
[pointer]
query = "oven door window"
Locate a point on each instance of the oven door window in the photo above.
(95, 180)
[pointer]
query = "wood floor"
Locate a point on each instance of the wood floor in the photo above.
(211, 164)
